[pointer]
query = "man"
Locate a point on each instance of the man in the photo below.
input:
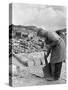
(57, 49)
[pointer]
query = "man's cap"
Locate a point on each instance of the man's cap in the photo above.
(42, 32)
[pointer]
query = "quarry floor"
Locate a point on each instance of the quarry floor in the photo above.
(32, 80)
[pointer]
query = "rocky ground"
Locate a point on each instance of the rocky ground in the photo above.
(32, 80)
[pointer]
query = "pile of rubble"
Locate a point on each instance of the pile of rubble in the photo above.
(27, 45)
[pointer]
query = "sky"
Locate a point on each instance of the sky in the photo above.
(49, 17)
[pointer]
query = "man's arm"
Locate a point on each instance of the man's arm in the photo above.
(53, 44)
(48, 52)
(46, 55)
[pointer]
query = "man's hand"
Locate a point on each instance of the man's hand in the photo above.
(48, 50)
